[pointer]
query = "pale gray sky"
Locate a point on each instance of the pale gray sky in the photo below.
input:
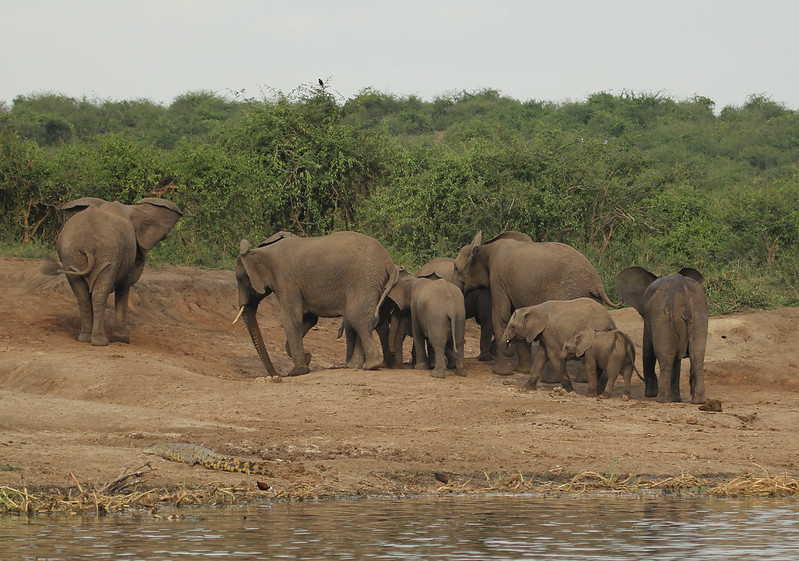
(553, 50)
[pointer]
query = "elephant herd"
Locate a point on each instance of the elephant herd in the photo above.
(519, 292)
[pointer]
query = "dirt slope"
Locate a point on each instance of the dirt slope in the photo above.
(188, 375)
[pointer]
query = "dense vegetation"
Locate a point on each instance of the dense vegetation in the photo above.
(627, 179)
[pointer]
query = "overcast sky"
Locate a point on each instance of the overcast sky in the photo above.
(553, 50)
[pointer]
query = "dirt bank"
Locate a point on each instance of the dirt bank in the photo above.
(188, 375)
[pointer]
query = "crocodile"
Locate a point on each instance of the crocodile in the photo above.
(193, 454)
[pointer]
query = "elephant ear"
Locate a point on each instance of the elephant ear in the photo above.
(631, 284)
(511, 235)
(443, 267)
(249, 261)
(534, 321)
(692, 274)
(276, 237)
(73, 207)
(583, 341)
(477, 241)
(400, 293)
(152, 220)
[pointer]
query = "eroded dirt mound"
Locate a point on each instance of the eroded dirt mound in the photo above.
(189, 375)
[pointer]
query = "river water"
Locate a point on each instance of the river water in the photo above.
(452, 528)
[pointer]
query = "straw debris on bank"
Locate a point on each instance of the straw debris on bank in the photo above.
(123, 493)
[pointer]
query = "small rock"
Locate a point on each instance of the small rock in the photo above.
(713, 405)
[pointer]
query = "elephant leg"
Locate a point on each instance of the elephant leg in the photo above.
(295, 329)
(419, 346)
(539, 362)
(399, 327)
(697, 379)
(120, 332)
(439, 345)
(590, 372)
(486, 337)
(99, 300)
(355, 356)
(650, 377)
(500, 317)
(614, 368)
(389, 358)
(669, 371)
(524, 351)
(372, 358)
(559, 362)
(81, 291)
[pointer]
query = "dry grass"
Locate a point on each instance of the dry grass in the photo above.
(123, 494)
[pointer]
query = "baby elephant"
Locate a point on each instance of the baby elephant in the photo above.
(438, 316)
(610, 351)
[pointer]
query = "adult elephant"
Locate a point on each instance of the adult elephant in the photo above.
(521, 273)
(343, 274)
(675, 315)
(102, 247)
(552, 324)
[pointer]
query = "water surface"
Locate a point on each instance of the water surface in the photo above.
(452, 528)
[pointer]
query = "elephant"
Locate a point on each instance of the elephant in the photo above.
(524, 273)
(610, 351)
(477, 304)
(675, 313)
(438, 317)
(553, 323)
(344, 274)
(102, 248)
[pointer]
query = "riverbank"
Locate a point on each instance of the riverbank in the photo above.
(76, 417)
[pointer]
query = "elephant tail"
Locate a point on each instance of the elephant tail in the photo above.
(393, 275)
(53, 267)
(602, 297)
(454, 338)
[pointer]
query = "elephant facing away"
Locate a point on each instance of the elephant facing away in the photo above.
(610, 351)
(102, 248)
(520, 274)
(477, 303)
(552, 324)
(438, 317)
(675, 313)
(345, 274)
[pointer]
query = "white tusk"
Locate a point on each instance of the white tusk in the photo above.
(241, 311)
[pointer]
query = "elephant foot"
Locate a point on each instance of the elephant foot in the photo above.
(119, 338)
(461, 371)
(531, 385)
(299, 371)
(99, 341)
(485, 357)
(605, 396)
(85, 337)
(625, 397)
(698, 400)
(567, 385)
(505, 369)
(372, 364)
(438, 374)
(307, 357)
(523, 366)
(421, 366)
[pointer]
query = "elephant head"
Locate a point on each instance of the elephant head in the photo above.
(633, 282)
(525, 323)
(254, 281)
(470, 270)
(579, 343)
(152, 218)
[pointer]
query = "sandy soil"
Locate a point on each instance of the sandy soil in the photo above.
(188, 375)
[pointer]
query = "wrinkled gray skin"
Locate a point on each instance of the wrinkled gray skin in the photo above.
(477, 303)
(520, 274)
(438, 317)
(612, 352)
(552, 324)
(102, 247)
(345, 274)
(675, 315)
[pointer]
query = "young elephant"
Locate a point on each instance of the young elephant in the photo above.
(610, 351)
(552, 324)
(103, 246)
(675, 313)
(438, 317)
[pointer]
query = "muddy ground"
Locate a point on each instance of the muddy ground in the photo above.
(68, 409)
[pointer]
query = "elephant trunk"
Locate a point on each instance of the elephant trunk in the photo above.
(507, 347)
(250, 321)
